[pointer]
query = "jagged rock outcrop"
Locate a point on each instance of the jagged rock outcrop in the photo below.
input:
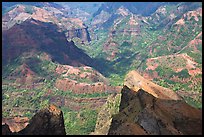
(142, 113)
(15, 124)
(48, 121)
(135, 82)
(146, 108)
(81, 33)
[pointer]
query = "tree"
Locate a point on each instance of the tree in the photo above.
(183, 74)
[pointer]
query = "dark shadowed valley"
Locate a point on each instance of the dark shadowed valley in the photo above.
(101, 68)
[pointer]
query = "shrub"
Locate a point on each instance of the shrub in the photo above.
(183, 74)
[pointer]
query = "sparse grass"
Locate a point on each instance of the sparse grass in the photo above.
(192, 102)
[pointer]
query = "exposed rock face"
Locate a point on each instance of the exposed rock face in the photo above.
(144, 9)
(146, 108)
(24, 75)
(187, 61)
(123, 11)
(81, 33)
(19, 15)
(109, 12)
(83, 80)
(48, 121)
(135, 82)
(80, 88)
(35, 36)
(73, 27)
(85, 72)
(15, 124)
(142, 113)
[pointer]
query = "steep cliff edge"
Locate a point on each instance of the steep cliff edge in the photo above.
(142, 113)
(48, 121)
(146, 108)
(41, 36)
(73, 27)
(135, 81)
(81, 33)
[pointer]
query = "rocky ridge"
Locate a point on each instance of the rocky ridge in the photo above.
(48, 121)
(146, 108)
(73, 27)
(19, 43)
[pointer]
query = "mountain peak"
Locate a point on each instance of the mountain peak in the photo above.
(146, 108)
(123, 11)
(53, 109)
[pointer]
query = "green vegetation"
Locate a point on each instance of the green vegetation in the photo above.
(192, 102)
(113, 104)
(196, 55)
(41, 67)
(116, 80)
(80, 123)
(84, 95)
(183, 74)
(94, 45)
(159, 37)
(28, 101)
(9, 68)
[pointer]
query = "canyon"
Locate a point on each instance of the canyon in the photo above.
(99, 68)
